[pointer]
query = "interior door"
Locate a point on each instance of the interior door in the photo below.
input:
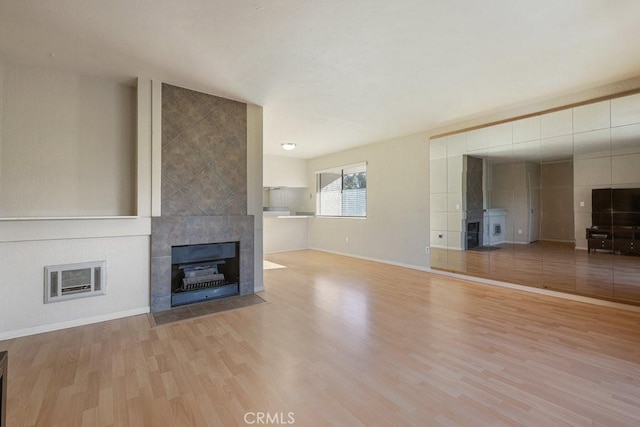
(533, 188)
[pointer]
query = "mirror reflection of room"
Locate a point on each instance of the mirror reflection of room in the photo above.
(550, 200)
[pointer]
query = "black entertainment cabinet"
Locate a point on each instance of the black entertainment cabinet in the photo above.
(625, 240)
(616, 221)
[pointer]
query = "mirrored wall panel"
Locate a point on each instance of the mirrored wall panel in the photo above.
(551, 200)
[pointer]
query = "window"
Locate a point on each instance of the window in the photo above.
(342, 191)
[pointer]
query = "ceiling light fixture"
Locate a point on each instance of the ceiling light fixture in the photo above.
(288, 146)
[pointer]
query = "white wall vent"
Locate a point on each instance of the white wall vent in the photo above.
(71, 281)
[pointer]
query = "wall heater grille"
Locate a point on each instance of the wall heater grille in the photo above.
(71, 281)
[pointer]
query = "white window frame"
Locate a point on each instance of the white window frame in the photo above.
(342, 171)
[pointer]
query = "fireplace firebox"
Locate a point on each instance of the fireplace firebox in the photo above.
(203, 272)
(473, 235)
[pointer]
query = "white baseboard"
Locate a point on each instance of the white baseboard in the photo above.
(382, 261)
(71, 323)
(547, 292)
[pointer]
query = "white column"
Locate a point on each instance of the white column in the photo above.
(144, 148)
(254, 187)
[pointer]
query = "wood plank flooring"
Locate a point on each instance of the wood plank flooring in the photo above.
(550, 265)
(341, 342)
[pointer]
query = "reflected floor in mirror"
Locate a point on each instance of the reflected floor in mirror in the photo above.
(550, 265)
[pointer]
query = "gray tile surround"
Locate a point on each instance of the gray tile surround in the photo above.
(177, 231)
(204, 154)
(204, 184)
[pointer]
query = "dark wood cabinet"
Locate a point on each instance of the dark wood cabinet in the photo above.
(623, 240)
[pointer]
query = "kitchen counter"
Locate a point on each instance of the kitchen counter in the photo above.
(283, 231)
(285, 214)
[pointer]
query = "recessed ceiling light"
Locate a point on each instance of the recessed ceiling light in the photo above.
(288, 146)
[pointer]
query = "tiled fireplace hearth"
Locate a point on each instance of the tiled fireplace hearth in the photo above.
(204, 185)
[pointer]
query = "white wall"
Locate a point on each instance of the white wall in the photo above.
(280, 171)
(285, 234)
(28, 245)
(1, 118)
(397, 225)
(68, 144)
(22, 287)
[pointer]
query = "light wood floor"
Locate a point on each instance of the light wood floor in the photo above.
(342, 342)
(550, 265)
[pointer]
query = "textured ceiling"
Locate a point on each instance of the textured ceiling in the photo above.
(332, 74)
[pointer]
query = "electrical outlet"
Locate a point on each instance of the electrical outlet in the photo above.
(427, 250)
(346, 239)
(581, 204)
(520, 231)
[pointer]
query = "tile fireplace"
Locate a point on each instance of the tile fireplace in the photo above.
(203, 202)
(168, 233)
